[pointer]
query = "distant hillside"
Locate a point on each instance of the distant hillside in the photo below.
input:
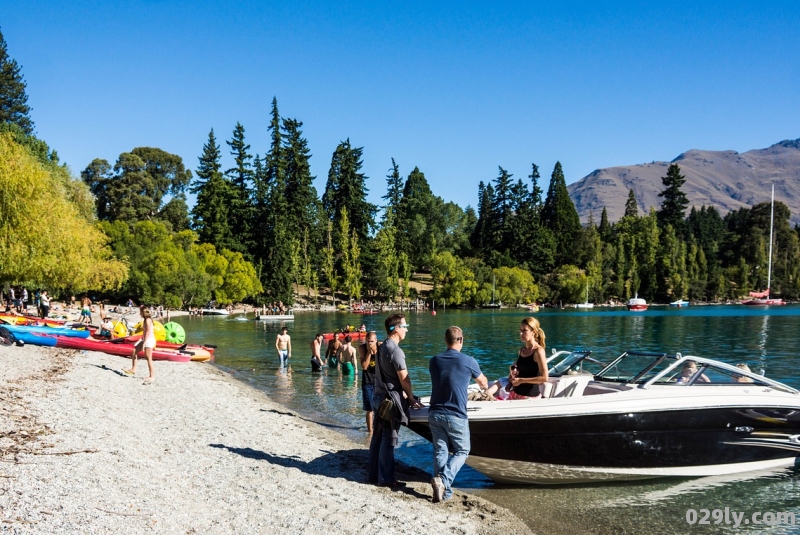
(726, 180)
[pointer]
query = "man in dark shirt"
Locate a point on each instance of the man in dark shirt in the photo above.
(391, 380)
(451, 372)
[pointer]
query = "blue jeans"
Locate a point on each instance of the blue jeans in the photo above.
(284, 354)
(381, 448)
(449, 432)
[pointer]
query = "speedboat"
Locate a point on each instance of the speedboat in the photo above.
(213, 312)
(639, 417)
(679, 303)
(636, 304)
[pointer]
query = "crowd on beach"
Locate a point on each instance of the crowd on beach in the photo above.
(387, 392)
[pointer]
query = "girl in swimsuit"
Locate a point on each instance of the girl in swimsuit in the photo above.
(148, 342)
(531, 362)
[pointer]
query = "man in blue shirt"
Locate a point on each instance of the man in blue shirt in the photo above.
(451, 372)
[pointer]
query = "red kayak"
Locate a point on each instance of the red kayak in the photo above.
(354, 335)
(121, 349)
(160, 344)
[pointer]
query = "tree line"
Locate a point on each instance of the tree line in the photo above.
(261, 231)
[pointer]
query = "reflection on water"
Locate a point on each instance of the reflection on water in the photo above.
(763, 338)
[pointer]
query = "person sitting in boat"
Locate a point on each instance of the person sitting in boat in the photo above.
(107, 327)
(362, 329)
(501, 389)
(688, 371)
(531, 362)
(742, 378)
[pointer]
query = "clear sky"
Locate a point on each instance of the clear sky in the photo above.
(455, 88)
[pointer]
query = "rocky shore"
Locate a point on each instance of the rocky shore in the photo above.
(86, 449)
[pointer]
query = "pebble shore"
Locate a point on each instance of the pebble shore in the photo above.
(87, 449)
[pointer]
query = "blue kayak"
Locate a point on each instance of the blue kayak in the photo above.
(36, 339)
(74, 333)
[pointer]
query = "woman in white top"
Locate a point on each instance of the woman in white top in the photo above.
(147, 342)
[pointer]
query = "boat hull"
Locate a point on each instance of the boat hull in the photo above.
(637, 308)
(689, 442)
(764, 302)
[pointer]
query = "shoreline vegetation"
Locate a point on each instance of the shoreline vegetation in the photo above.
(87, 449)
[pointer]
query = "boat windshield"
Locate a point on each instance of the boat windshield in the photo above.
(571, 363)
(636, 367)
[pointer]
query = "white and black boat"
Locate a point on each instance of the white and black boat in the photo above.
(637, 418)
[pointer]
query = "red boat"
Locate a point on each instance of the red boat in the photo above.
(121, 349)
(355, 335)
(637, 305)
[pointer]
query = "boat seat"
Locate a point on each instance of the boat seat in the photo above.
(546, 389)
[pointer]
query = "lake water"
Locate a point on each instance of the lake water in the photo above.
(764, 338)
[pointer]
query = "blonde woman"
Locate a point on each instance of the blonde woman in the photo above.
(531, 362)
(147, 342)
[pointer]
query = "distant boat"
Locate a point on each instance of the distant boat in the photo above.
(679, 303)
(762, 298)
(533, 307)
(586, 304)
(213, 312)
(289, 316)
(635, 304)
(492, 304)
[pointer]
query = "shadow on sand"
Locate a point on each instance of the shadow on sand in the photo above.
(346, 464)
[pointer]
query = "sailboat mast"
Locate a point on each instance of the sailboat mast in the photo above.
(769, 263)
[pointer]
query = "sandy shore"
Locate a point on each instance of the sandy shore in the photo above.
(86, 449)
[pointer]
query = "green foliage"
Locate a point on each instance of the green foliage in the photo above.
(174, 270)
(559, 215)
(136, 187)
(675, 202)
(346, 188)
(45, 239)
(14, 107)
(215, 196)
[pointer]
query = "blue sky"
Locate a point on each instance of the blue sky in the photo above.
(455, 88)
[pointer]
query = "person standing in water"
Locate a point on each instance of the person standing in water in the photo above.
(148, 342)
(347, 357)
(283, 343)
(332, 353)
(316, 351)
(366, 355)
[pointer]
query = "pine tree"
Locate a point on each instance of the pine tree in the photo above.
(301, 196)
(210, 215)
(631, 206)
(394, 188)
(502, 212)
(241, 180)
(675, 202)
(605, 227)
(481, 235)
(13, 99)
(346, 188)
(561, 217)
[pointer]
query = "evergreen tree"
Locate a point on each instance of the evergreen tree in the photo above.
(605, 227)
(13, 99)
(210, 215)
(301, 196)
(631, 206)
(346, 188)
(394, 188)
(241, 180)
(560, 216)
(675, 202)
(502, 211)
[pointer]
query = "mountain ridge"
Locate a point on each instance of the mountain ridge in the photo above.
(727, 180)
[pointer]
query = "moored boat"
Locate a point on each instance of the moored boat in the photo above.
(636, 419)
(636, 304)
(121, 349)
(680, 303)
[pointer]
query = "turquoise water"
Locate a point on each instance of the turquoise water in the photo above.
(764, 338)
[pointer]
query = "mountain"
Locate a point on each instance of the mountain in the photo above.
(726, 180)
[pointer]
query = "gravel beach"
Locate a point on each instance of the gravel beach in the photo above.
(86, 449)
